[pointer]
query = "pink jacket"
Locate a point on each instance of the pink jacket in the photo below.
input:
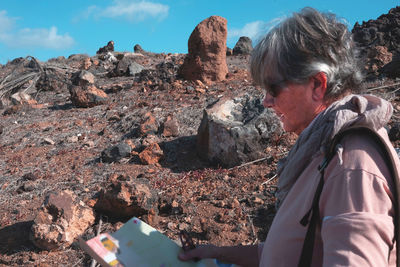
(355, 207)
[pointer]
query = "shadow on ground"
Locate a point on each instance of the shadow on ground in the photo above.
(180, 155)
(15, 238)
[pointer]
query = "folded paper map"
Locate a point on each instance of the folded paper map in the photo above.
(138, 244)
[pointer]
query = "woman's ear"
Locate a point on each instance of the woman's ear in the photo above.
(319, 89)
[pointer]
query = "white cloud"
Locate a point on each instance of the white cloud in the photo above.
(31, 38)
(131, 10)
(6, 23)
(254, 30)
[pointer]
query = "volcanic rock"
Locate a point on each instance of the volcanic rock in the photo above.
(109, 57)
(125, 197)
(83, 93)
(243, 47)
(206, 60)
(392, 69)
(149, 124)
(170, 127)
(115, 153)
(394, 132)
(21, 98)
(165, 72)
(134, 68)
(234, 131)
(108, 48)
(151, 154)
(138, 49)
(127, 67)
(82, 78)
(52, 81)
(87, 96)
(60, 220)
(87, 63)
(384, 31)
(377, 57)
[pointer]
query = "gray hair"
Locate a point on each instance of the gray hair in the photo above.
(303, 45)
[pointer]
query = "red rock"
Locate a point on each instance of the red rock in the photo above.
(151, 154)
(87, 96)
(22, 98)
(378, 56)
(149, 124)
(206, 60)
(87, 63)
(125, 197)
(60, 221)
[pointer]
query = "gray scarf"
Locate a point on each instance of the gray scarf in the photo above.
(360, 110)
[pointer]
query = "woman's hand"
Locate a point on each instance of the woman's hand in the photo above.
(200, 252)
(239, 255)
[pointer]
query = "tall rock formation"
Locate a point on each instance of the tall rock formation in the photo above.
(206, 60)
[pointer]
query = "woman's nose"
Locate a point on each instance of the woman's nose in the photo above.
(268, 101)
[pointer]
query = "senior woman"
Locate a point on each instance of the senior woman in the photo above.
(307, 65)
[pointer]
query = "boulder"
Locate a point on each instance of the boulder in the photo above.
(151, 154)
(21, 98)
(165, 72)
(206, 60)
(61, 219)
(125, 197)
(138, 49)
(170, 127)
(394, 132)
(149, 125)
(134, 68)
(87, 63)
(234, 131)
(377, 57)
(384, 32)
(87, 96)
(392, 69)
(108, 48)
(243, 47)
(83, 92)
(115, 153)
(127, 67)
(52, 80)
(82, 78)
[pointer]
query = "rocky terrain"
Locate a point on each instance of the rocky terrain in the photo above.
(180, 141)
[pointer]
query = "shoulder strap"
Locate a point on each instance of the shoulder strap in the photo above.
(308, 245)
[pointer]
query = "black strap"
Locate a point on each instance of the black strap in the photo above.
(308, 245)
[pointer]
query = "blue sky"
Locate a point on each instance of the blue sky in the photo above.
(48, 28)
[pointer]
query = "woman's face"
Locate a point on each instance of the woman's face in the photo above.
(295, 105)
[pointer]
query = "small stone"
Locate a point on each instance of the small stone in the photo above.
(183, 226)
(171, 127)
(86, 63)
(257, 200)
(149, 125)
(48, 141)
(174, 204)
(115, 153)
(72, 139)
(171, 226)
(151, 154)
(89, 143)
